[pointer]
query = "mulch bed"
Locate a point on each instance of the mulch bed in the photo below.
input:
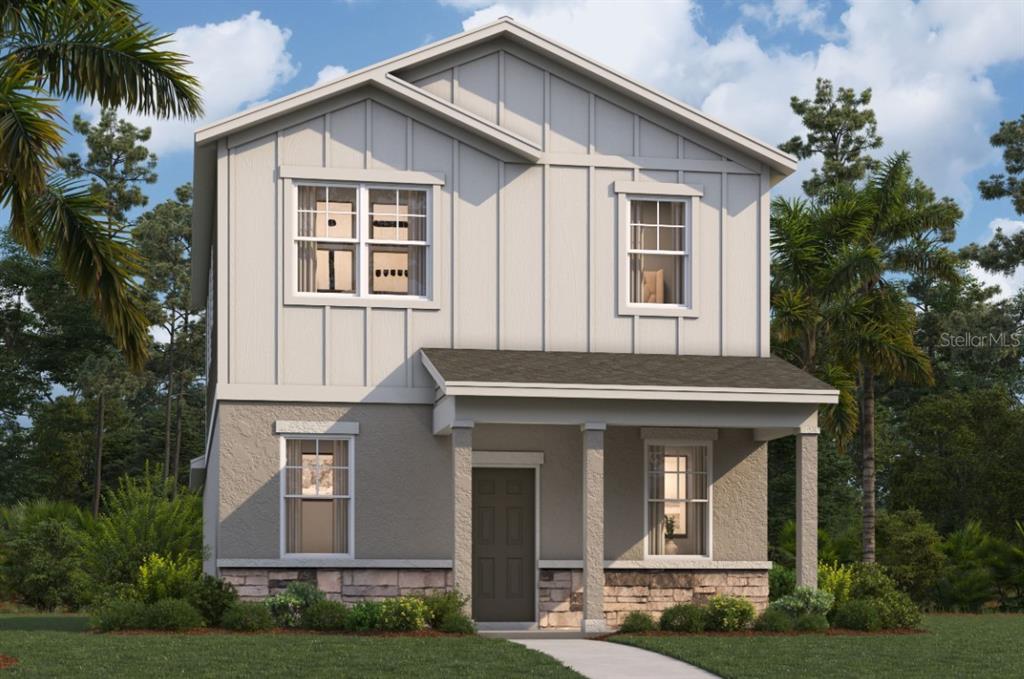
(7, 661)
(755, 633)
(207, 631)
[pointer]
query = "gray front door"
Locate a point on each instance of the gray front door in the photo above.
(503, 545)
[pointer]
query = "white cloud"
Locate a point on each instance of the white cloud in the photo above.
(927, 65)
(799, 13)
(329, 73)
(1008, 285)
(237, 62)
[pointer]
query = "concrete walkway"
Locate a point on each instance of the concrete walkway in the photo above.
(605, 660)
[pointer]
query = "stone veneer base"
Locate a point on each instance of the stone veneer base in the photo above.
(560, 591)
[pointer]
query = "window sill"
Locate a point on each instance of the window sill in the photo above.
(658, 310)
(381, 302)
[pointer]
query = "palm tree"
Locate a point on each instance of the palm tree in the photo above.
(907, 234)
(85, 50)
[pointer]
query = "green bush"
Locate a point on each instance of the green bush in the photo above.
(212, 597)
(288, 607)
(683, 618)
(811, 622)
(172, 577)
(443, 605)
(805, 600)
(870, 581)
(172, 615)
(457, 623)
(638, 621)
(119, 614)
(910, 550)
(365, 616)
(325, 615)
(729, 613)
(967, 583)
(247, 616)
(40, 563)
(898, 611)
(140, 518)
(837, 580)
(774, 620)
(781, 581)
(858, 614)
(403, 614)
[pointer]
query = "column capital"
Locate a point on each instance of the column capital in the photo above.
(593, 426)
(463, 424)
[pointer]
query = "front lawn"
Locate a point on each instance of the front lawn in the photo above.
(951, 646)
(59, 646)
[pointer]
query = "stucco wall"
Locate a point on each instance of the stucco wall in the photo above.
(402, 472)
(211, 501)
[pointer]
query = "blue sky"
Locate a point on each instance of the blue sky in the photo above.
(944, 73)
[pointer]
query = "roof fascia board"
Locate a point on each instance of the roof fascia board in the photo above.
(723, 395)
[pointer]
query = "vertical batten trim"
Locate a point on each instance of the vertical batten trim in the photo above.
(723, 212)
(408, 345)
(764, 266)
(367, 356)
(278, 278)
(224, 306)
(499, 206)
(636, 138)
(545, 176)
(408, 143)
(692, 291)
(590, 254)
(501, 87)
(634, 319)
(456, 180)
(367, 150)
(546, 141)
(591, 122)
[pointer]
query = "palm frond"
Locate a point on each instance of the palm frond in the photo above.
(840, 419)
(100, 268)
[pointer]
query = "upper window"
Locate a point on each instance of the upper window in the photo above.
(362, 240)
(317, 496)
(659, 251)
(678, 499)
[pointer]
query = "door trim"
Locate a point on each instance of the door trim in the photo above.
(515, 459)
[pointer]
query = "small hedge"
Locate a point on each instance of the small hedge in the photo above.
(805, 600)
(212, 597)
(365, 616)
(325, 616)
(444, 610)
(729, 613)
(247, 616)
(173, 615)
(403, 614)
(898, 611)
(288, 607)
(774, 620)
(858, 614)
(683, 618)
(119, 614)
(457, 623)
(638, 621)
(811, 622)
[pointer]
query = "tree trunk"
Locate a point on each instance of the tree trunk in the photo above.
(177, 438)
(98, 482)
(170, 397)
(867, 409)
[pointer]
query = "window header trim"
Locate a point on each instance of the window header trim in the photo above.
(659, 189)
(367, 176)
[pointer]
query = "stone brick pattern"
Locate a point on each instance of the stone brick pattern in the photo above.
(561, 592)
(350, 585)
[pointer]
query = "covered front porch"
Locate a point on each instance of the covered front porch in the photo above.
(580, 495)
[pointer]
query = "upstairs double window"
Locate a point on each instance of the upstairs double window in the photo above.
(659, 252)
(363, 240)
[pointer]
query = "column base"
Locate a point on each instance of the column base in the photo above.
(591, 626)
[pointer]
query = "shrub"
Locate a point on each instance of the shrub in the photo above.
(212, 597)
(774, 620)
(325, 615)
(172, 614)
(910, 549)
(781, 581)
(403, 614)
(967, 583)
(898, 611)
(683, 618)
(638, 621)
(442, 606)
(172, 577)
(365, 616)
(40, 564)
(811, 622)
(805, 600)
(870, 581)
(119, 614)
(140, 518)
(858, 614)
(729, 613)
(247, 616)
(288, 607)
(457, 623)
(836, 579)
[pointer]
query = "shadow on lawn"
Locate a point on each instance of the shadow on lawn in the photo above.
(43, 623)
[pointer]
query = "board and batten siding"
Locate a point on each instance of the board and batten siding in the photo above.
(528, 251)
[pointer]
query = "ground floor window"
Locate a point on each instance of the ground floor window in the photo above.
(677, 499)
(317, 496)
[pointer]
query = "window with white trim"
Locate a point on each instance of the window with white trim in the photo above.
(317, 496)
(658, 251)
(362, 240)
(678, 499)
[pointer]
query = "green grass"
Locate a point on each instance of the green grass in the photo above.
(951, 646)
(59, 646)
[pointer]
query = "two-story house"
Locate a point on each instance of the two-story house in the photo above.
(491, 316)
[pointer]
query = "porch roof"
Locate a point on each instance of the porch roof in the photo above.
(482, 372)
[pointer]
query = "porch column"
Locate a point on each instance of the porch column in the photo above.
(593, 527)
(807, 509)
(462, 496)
